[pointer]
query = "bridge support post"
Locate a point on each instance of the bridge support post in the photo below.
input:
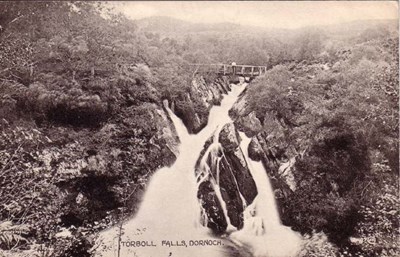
(252, 71)
(224, 70)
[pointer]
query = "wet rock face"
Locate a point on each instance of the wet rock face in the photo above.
(249, 124)
(278, 157)
(229, 138)
(211, 93)
(166, 132)
(265, 147)
(256, 151)
(236, 162)
(241, 107)
(225, 172)
(193, 113)
(193, 107)
(165, 138)
(212, 207)
(269, 145)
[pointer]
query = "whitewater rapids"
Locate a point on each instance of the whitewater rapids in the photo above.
(168, 221)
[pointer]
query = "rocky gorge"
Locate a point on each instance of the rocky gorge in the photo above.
(194, 105)
(307, 165)
(106, 121)
(193, 108)
(268, 144)
(222, 163)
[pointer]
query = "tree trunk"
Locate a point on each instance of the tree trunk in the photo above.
(31, 71)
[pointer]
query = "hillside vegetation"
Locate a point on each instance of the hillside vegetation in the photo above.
(337, 114)
(83, 125)
(82, 122)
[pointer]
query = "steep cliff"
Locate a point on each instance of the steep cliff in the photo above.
(269, 144)
(193, 106)
(324, 146)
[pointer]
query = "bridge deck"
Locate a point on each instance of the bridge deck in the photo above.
(228, 69)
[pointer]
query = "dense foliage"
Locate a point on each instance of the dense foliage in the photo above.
(81, 92)
(341, 116)
(77, 94)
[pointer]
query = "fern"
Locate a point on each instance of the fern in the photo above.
(12, 235)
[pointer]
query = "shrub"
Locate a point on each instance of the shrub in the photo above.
(274, 94)
(12, 235)
(325, 199)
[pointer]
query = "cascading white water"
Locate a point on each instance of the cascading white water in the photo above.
(262, 233)
(170, 209)
(213, 151)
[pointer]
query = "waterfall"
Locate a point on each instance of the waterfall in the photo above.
(263, 234)
(170, 210)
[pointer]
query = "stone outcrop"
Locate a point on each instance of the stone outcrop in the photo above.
(211, 93)
(236, 162)
(222, 166)
(89, 177)
(240, 107)
(264, 148)
(165, 139)
(166, 131)
(269, 145)
(212, 207)
(193, 107)
(249, 124)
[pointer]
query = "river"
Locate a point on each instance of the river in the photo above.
(168, 220)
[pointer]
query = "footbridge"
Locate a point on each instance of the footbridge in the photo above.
(230, 69)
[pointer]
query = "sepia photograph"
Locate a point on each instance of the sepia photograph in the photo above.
(199, 129)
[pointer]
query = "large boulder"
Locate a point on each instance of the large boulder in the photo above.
(255, 150)
(212, 207)
(249, 124)
(269, 145)
(194, 106)
(236, 161)
(225, 180)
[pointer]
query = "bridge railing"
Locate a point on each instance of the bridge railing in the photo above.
(228, 69)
